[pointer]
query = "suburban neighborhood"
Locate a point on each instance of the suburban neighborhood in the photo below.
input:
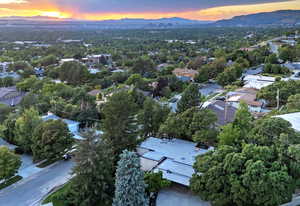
(148, 112)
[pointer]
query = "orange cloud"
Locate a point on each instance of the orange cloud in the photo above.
(48, 8)
(205, 14)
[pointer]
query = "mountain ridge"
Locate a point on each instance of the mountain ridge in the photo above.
(279, 17)
(123, 20)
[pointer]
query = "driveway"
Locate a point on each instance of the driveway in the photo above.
(179, 196)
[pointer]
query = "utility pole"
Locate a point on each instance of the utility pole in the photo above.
(226, 108)
(278, 99)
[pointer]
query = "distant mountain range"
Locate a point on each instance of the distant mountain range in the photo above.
(172, 20)
(276, 18)
(51, 22)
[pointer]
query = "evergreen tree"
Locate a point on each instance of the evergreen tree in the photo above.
(191, 97)
(93, 183)
(130, 185)
(119, 124)
(152, 116)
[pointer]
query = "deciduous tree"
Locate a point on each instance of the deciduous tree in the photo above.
(24, 128)
(9, 163)
(50, 140)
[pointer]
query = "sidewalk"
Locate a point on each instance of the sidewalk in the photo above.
(28, 168)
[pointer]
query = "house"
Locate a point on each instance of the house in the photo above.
(293, 118)
(225, 112)
(174, 158)
(39, 72)
(247, 95)
(94, 92)
(4, 66)
(162, 66)
(185, 74)
(11, 96)
(93, 70)
(253, 71)
(293, 66)
(210, 88)
(247, 49)
(67, 41)
(73, 126)
(62, 61)
(290, 42)
(105, 59)
(257, 81)
(13, 75)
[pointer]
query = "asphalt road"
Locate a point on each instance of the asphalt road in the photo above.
(29, 191)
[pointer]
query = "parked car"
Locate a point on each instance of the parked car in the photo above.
(222, 98)
(173, 100)
(202, 145)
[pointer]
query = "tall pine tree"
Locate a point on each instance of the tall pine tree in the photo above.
(151, 117)
(130, 184)
(119, 125)
(93, 183)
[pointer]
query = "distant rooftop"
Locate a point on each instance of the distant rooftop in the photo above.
(224, 112)
(11, 96)
(258, 81)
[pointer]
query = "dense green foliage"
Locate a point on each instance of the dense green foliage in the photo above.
(50, 140)
(151, 117)
(194, 124)
(155, 181)
(191, 97)
(24, 127)
(93, 181)
(286, 89)
(119, 123)
(275, 69)
(9, 163)
(256, 171)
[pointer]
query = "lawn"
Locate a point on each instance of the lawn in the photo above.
(48, 162)
(10, 182)
(52, 197)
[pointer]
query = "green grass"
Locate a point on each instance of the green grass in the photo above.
(51, 197)
(47, 163)
(276, 75)
(10, 182)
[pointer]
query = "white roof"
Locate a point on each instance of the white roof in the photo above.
(258, 81)
(175, 157)
(67, 60)
(175, 177)
(179, 150)
(177, 168)
(257, 84)
(293, 118)
(259, 78)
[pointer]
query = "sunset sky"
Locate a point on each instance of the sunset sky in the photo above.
(116, 9)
